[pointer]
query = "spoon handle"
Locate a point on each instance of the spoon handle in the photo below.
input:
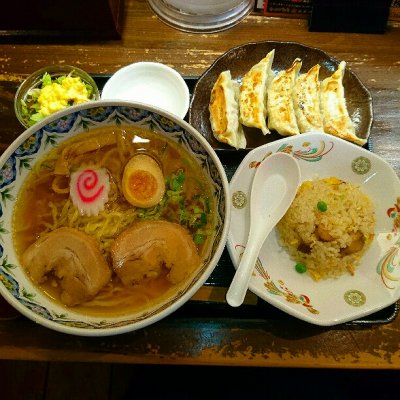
(238, 287)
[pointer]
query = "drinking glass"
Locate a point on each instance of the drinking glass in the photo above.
(202, 16)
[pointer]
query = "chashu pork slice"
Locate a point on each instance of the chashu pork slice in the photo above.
(73, 258)
(143, 250)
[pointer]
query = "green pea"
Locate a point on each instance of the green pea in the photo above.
(300, 268)
(322, 206)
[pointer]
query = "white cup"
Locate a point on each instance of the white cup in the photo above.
(150, 83)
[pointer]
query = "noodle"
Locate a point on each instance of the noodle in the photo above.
(56, 186)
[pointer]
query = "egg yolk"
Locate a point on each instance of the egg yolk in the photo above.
(143, 184)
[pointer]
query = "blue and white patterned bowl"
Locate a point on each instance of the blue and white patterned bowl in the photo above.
(21, 156)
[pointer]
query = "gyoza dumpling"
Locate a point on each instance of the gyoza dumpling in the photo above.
(281, 115)
(224, 111)
(253, 94)
(335, 115)
(306, 100)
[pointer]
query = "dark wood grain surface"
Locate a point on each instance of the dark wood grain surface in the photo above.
(212, 338)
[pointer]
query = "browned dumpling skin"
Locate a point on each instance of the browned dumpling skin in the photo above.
(281, 115)
(224, 112)
(142, 251)
(306, 99)
(253, 94)
(75, 260)
(336, 117)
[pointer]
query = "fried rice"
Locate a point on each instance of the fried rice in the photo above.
(328, 227)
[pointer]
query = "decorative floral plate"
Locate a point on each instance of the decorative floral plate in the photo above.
(376, 283)
(241, 58)
(20, 157)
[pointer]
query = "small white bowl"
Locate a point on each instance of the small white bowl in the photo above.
(149, 83)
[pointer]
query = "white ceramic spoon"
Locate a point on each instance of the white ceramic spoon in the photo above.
(273, 189)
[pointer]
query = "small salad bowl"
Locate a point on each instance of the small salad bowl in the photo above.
(57, 96)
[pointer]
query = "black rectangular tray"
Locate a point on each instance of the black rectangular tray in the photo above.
(210, 301)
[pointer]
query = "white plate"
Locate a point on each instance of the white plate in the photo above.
(376, 283)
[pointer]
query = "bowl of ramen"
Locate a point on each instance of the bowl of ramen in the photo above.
(116, 214)
(334, 257)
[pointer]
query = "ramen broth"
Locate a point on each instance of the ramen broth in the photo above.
(40, 209)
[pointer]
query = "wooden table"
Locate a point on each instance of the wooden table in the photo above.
(210, 339)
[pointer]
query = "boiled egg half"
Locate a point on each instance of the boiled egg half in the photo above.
(143, 182)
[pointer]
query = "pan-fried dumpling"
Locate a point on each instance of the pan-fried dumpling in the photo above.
(224, 111)
(306, 100)
(253, 94)
(281, 115)
(335, 115)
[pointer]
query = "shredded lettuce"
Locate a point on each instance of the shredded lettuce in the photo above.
(46, 79)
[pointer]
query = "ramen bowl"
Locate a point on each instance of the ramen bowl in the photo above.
(101, 120)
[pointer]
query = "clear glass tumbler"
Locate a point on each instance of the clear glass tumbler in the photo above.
(202, 16)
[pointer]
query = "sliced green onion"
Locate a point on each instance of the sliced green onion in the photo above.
(177, 180)
(203, 218)
(198, 238)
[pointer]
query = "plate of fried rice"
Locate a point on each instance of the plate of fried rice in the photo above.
(335, 255)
